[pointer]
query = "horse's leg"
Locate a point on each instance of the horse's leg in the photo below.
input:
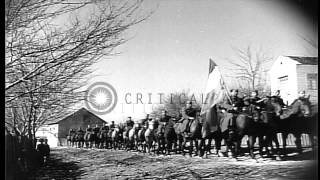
(180, 144)
(201, 147)
(191, 147)
(208, 146)
(284, 142)
(237, 146)
(275, 140)
(251, 140)
(298, 142)
(183, 145)
(171, 143)
(261, 144)
(217, 141)
(196, 144)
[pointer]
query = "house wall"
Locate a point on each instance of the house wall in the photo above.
(81, 119)
(284, 66)
(302, 71)
(50, 132)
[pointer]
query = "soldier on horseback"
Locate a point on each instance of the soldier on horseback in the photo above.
(112, 125)
(254, 103)
(79, 137)
(71, 131)
(277, 98)
(104, 127)
(129, 124)
(233, 105)
(96, 129)
(79, 131)
(71, 135)
(88, 131)
(188, 113)
(164, 116)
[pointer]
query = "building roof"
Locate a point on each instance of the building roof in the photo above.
(305, 60)
(80, 111)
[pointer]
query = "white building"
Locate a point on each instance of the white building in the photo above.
(49, 132)
(291, 74)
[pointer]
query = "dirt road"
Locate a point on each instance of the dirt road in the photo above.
(72, 163)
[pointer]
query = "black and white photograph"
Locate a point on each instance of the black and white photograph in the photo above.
(161, 89)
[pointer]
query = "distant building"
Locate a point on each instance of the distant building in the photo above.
(291, 74)
(56, 132)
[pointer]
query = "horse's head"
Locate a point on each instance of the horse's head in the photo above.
(274, 106)
(305, 108)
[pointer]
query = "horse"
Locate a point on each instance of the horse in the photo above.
(89, 139)
(117, 136)
(71, 138)
(256, 122)
(193, 135)
(140, 140)
(102, 137)
(211, 130)
(179, 137)
(298, 119)
(150, 134)
(132, 136)
(79, 139)
(170, 136)
(270, 116)
(159, 137)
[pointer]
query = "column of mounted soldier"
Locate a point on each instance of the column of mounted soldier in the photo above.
(190, 132)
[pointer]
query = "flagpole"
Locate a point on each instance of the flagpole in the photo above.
(226, 88)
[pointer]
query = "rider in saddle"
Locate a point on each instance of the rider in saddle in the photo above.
(277, 98)
(164, 116)
(104, 127)
(129, 124)
(79, 131)
(188, 113)
(145, 121)
(96, 129)
(233, 105)
(112, 125)
(88, 131)
(254, 103)
(71, 131)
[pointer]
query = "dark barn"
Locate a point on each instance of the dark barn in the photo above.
(81, 118)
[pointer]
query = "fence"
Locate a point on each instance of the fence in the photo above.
(305, 141)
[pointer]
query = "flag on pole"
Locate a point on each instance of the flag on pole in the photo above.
(215, 91)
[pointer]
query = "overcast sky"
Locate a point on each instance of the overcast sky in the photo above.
(170, 51)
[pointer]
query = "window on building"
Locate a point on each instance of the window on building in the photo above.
(312, 80)
(282, 82)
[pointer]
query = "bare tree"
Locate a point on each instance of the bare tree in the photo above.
(249, 68)
(47, 61)
(313, 43)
